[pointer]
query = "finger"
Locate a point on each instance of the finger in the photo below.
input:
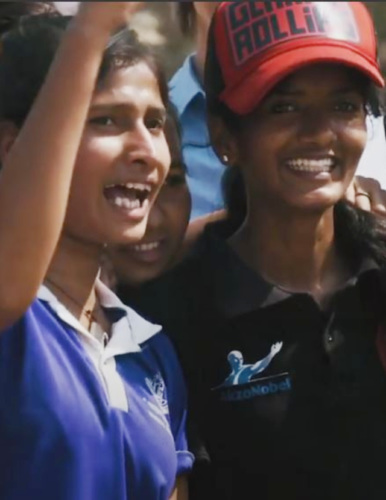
(133, 7)
(367, 191)
(362, 201)
(378, 202)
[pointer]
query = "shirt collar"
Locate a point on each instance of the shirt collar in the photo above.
(185, 85)
(129, 330)
(253, 292)
(230, 273)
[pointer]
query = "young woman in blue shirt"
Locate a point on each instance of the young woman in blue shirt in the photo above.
(92, 403)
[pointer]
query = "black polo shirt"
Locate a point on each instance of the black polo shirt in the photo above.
(288, 401)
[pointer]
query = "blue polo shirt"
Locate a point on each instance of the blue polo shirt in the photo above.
(84, 421)
(204, 169)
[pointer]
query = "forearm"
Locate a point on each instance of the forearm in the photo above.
(181, 490)
(262, 365)
(36, 176)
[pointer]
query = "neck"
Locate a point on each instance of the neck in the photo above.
(73, 272)
(293, 250)
(201, 46)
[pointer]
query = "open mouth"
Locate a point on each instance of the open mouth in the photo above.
(146, 247)
(130, 196)
(149, 252)
(312, 166)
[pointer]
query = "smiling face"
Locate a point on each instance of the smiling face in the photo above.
(122, 161)
(138, 263)
(300, 148)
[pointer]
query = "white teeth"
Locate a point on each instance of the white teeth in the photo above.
(125, 203)
(138, 187)
(146, 247)
(131, 204)
(311, 165)
(130, 185)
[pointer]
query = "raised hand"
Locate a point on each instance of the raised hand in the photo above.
(276, 348)
(107, 15)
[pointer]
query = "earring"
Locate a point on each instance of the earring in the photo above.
(225, 158)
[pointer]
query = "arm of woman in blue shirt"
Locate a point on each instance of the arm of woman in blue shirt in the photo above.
(37, 171)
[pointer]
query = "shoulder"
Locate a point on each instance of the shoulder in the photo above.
(182, 74)
(159, 353)
(142, 329)
(160, 346)
(184, 85)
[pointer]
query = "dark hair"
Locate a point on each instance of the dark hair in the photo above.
(186, 15)
(358, 233)
(11, 12)
(28, 49)
(173, 130)
(173, 120)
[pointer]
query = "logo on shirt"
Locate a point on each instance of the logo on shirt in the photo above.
(241, 373)
(242, 384)
(158, 404)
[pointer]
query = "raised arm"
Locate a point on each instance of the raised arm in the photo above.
(36, 174)
(263, 363)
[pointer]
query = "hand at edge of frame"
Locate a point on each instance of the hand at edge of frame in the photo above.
(367, 194)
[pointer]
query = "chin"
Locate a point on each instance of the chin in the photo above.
(129, 236)
(318, 201)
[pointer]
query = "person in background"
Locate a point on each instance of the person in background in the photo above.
(299, 281)
(162, 246)
(92, 398)
(204, 169)
(14, 10)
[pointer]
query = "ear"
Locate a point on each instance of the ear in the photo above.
(224, 142)
(8, 134)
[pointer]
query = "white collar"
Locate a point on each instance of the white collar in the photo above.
(128, 333)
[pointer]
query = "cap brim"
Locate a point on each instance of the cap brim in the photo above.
(245, 96)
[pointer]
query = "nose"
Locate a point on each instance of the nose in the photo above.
(316, 128)
(140, 147)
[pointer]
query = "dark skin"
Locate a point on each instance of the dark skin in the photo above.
(299, 151)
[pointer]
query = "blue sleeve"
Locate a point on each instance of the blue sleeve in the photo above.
(177, 401)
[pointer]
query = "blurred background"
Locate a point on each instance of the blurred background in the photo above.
(157, 25)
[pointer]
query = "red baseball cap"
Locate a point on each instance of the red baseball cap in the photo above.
(257, 44)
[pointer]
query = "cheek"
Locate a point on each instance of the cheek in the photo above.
(258, 155)
(261, 142)
(92, 169)
(176, 207)
(358, 140)
(97, 151)
(163, 156)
